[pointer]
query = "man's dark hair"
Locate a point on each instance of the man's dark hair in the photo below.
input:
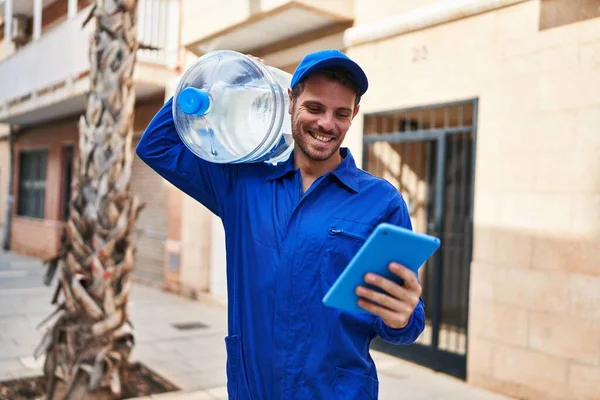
(332, 74)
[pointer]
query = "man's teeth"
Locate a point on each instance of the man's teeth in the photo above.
(319, 137)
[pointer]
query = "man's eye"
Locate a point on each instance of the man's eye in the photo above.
(314, 110)
(343, 115)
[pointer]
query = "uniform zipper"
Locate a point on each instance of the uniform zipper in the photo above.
(335, 231)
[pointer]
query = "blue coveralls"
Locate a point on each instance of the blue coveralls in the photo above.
(284, 251)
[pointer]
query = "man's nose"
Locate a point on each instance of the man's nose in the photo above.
(326, 122)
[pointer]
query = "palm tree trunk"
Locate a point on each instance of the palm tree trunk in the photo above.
(89, 337)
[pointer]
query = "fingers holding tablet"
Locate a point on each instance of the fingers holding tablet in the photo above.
(392, 255)
(396, 302)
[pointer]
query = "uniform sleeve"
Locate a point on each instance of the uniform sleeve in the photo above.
(161, 148)
(398, 215)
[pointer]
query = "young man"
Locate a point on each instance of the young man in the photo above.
(290, 231)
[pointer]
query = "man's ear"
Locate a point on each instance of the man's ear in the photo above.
(291, 105)
(356, 110)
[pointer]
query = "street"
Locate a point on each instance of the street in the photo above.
(180, 339)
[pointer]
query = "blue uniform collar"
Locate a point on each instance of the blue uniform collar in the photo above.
(346, 172)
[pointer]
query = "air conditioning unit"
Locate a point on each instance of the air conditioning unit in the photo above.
(21, 29)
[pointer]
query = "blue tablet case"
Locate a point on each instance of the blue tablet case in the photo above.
(388, 243)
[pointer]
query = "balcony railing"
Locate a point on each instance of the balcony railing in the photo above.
(60, 56)
(159, 26)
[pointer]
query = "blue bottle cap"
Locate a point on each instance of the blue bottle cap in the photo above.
(193, 101)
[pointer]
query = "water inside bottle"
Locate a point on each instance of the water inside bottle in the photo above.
(247, 119)
(245, 113)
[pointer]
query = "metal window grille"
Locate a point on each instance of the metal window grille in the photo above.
(32, 183)
(428, 153)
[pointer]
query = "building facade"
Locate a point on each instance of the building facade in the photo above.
(530, 72)
(485, 115)
(4, 172)
(44, 78)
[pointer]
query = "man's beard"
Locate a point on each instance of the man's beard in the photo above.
(301, 139)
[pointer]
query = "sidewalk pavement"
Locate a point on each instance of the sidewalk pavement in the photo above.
(193, 359)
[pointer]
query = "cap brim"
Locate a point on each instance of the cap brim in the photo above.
(359, 76)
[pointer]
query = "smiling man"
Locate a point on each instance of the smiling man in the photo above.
(290, 231)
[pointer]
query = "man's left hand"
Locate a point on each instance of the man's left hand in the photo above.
(397, 304)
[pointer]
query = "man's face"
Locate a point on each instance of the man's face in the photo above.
(321, 116)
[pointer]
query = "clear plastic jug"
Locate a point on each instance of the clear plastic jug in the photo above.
(231, 108)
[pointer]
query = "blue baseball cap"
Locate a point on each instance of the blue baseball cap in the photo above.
(330, 58)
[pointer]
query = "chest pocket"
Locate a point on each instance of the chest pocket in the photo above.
(343, 240)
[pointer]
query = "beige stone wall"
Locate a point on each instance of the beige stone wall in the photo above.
(336, 7)
(202, 18)
(4, 171)
(195, 244)
(339, 8)
(368, 11)
(534, 323)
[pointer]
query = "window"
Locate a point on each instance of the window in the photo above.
(32, 183)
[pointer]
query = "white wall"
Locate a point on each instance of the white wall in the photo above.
(218, 261)
(4, 170)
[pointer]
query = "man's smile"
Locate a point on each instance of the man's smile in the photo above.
(320, 138)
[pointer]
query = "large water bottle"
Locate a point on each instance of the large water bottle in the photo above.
(231, 108)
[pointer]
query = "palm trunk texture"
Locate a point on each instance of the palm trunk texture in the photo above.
(88, 338)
